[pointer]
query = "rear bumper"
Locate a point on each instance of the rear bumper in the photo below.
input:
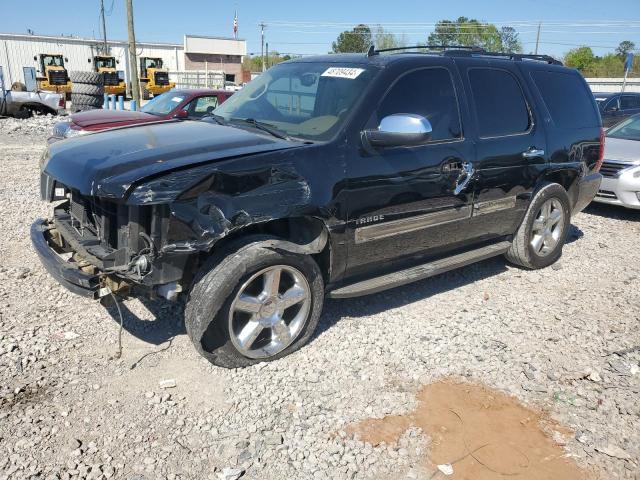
(587, 190)
(66, 273)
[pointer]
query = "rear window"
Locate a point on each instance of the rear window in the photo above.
(567, 98)
(500, 105)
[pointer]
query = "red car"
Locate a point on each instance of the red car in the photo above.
(178, 103)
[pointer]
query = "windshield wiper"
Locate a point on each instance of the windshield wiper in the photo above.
(218, 118)
(265, 127)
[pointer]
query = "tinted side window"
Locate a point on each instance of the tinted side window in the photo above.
(428, 92)
(500, 105)
(629, 101)
(567, 99)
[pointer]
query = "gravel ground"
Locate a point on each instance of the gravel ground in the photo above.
(68, 409)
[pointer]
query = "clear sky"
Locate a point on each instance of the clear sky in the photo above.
(565, 23)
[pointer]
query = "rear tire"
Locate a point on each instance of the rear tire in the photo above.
(539, 240)
(236, 316)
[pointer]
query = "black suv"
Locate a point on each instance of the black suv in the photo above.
(338, 175)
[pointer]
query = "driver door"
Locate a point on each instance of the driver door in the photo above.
(402, 201)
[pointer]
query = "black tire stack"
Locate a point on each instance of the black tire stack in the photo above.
(87, 91)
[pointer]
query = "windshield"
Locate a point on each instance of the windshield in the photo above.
(305, 100)
(163, 104)
(152, 63)
(108, 62)
(52, 61)
(628, 130)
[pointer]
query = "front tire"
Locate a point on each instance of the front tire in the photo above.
(539, 240)
(253, 303)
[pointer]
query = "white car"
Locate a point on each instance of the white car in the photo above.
(621, 167)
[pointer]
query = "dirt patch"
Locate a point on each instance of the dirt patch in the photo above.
(483, 433)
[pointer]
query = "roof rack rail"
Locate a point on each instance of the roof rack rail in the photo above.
(463, 50)
(373, 51)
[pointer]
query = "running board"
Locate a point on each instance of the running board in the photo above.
(419, 272)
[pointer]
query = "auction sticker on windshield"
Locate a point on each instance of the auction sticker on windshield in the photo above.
(342, 72)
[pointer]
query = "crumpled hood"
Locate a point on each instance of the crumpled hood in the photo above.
(108, 163)
(621, 150)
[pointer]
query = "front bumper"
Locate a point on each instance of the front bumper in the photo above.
(587, 190)
(67, 273)
(621, 190)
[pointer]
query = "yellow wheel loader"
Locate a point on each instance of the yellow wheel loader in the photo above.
(113, 84)
(154, 79)
(52, 75)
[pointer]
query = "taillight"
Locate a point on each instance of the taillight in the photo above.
(601, 152)
(62, 102)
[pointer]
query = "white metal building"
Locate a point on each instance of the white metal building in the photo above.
(17, 51)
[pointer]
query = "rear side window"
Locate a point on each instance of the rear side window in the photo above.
(567, 99)
(629, 101)
(500, 105)
(428, 92)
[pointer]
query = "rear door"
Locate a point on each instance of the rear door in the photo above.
(510, 146)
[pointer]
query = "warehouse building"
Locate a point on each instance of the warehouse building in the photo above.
(196, 53)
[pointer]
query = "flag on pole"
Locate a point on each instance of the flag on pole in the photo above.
(235, 26)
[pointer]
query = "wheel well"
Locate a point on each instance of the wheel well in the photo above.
(306, 234)
(38, 108)
(566, 178)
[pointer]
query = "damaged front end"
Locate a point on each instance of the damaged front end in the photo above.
(152, 241)
(95, 246)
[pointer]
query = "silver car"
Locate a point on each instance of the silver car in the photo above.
(621, 167)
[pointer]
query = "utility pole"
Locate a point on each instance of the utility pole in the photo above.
(104, 29)
(267, 50)
(538, 37)
(262, 25)
(133, 63)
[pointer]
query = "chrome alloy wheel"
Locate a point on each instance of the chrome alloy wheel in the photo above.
(269, 311)
(547, 227)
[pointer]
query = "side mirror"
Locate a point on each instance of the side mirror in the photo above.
(118, 62)
(181, 114)
(35, 58)
(400, 130)
(89, 60)
(66, 59)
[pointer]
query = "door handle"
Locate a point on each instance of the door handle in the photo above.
(466, 175)
(533, 152)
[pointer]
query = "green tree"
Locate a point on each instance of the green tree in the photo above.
(625, 47)
(383, 39)
(510, 41)
(357, 40)
(254, 63)
(581, 58)
(472, 33)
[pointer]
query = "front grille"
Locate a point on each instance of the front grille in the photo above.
(162, 78)
(98, 217)
(611, 168)
(111, 78)
(607, 194)
(57, 77)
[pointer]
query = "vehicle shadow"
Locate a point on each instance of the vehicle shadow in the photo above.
(166, 323)
(614, 212)
(335, 309)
